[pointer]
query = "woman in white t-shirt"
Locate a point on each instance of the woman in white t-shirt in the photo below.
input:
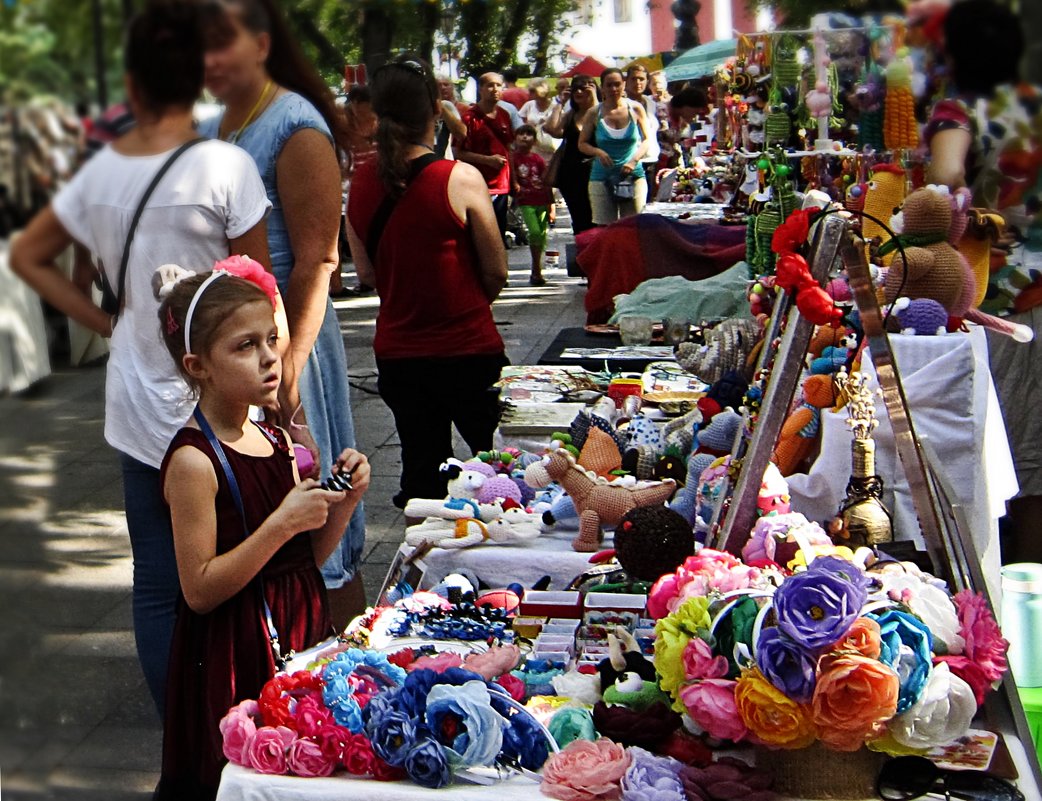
(210, 204)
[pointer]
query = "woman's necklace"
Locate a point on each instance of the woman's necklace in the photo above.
(234, 136)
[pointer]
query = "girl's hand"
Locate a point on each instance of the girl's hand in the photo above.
(628, 167)
(355, 463)
(605, 160)
(306, 507)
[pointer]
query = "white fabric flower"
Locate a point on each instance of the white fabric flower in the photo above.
(942, 714)
(931, 604)
(582, 687)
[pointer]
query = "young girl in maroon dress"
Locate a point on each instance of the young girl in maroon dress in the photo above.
(248, 533)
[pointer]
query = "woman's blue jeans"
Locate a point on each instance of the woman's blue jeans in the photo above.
(156, 585)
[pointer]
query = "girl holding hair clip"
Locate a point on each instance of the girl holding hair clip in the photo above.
(249, 535)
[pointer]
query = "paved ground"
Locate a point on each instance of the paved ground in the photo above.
(75, 717)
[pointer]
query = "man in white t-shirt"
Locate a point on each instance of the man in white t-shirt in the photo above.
(636, 84)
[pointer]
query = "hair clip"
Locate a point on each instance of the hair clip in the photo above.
(166, 277)
(172, 326)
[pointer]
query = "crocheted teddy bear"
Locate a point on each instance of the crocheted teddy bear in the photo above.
(802, 426)
(713, 441)
(931, 267)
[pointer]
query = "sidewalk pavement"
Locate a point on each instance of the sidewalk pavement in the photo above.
(76, 721)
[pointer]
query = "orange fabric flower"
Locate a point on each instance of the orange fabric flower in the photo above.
(854, 696)
(863, 638)
(772, 717)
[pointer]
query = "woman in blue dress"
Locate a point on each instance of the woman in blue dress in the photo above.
(279, 110)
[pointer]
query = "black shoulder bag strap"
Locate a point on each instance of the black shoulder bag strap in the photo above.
(383, 211)
(118, 296)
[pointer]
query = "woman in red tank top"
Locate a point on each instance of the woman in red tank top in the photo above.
(423, 232)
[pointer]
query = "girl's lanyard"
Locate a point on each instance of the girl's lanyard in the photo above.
(233, 486)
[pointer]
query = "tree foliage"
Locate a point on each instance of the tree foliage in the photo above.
(797, 13)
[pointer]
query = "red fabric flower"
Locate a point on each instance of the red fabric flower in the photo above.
(358, 758)
(815, 304)
(792, 234)
(402, 658)
(792, 272)
(278, 699)
(383, 772)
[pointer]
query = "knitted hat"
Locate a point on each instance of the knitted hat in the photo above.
(651, 541)
(600, 453)
(641, 431)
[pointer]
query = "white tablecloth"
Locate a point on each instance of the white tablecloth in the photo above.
(242, 784)
(954, 406)
(23, 337)
(499, 565)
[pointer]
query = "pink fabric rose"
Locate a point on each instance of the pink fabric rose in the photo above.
(496, 661)
(267, 749)
(662, 592)
(513, 685)
(706, 571)
(970, 672)
(699, 662)
(439, 663)
(237, 727)
(305, 758)
(586, 771)
(711, 705)
(984, 642)
(249, 270)
(358, 758)
(311, 715)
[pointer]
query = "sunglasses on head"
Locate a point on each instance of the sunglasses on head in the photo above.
(911, 777)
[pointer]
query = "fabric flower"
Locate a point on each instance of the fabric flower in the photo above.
(734, 634)
(463, 720)
(249, 270)
(672, 634)
(818, 606)
(571, 723)
(585, 771)
(382, 772)
(237, 728)
(941, 714)
(267, 748)
(970, 672)
(523, 739)
(791, 272)
(496, 661)
(392, 734)
(686, 748)
(792, 234)
(930, 603)
(305, 758)
(905, 645)
(646, 728)
(280, 694)
(863, 638)
(651, 778)
(427, 764)
(711, 705)
(735, 778)
(584, 688)
(699, 662)
(984, 642)
(772, 530)
(357, 757)
(786, 664)
(513, 685)
(707, 571)
(770, 716)
(439, 663)
(853, 697)
(418, 684)
(333, 739)
(311, 715)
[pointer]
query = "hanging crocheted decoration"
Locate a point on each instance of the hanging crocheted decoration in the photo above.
(785, 68)
(870, 93)
(900, 129)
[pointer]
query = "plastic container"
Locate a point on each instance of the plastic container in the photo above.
(1022, 621)
(1031, 698)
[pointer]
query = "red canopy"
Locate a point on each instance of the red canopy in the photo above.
(588, 66)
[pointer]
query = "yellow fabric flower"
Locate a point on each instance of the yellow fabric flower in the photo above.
(772, 717)
(672, 634)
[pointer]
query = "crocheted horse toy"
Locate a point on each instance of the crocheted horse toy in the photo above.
(598, 502)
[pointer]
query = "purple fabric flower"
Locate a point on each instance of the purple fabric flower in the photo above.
(817, 607)
(786, 664)
(651, 778)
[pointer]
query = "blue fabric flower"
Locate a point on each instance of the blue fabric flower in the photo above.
(418, 684)
(345, 673)
(462, 719)
(818, 607)
(380, 704)
(651, 778)
(427, 764)
(786, 664)
(392, 734)
(523, 740)
(906, 645)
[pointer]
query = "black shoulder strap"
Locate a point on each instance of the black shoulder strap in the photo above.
(121, 286)
(383, 211)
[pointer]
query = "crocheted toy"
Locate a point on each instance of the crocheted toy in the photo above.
(714, 441)
(651, 541)
(922, 317)
(670, 465)
(726, 348)
(802, 427)
(773, 498)
(900, 130)
(642, 431)
(465, 481)
(598, 502)
(504, 528)
(931, 267)
(834, 356)
(728, 391)
(680, 431)
(624, 660)
(600, 453)
(885, 192)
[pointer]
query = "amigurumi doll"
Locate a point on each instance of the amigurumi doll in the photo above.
(802, 427)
